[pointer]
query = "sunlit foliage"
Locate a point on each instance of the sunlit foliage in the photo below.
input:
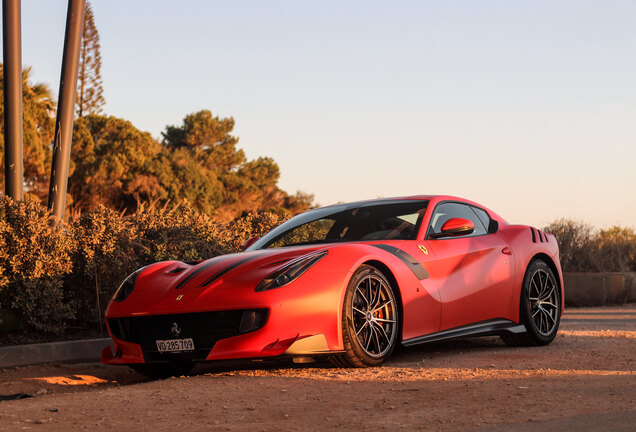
(51, 278)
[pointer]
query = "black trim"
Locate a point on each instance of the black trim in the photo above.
(220, 273)
(325, 212)
(534, 238)
(205, 329)
(201, 267)
(484, 328)
(414, 265)
(493, 227)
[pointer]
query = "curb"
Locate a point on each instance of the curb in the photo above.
(88, 350)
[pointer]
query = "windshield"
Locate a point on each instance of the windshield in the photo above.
(376, 220)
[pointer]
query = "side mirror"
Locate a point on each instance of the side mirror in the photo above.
(455, 227)
(493, 227)
(249, 242)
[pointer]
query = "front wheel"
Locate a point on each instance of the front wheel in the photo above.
(370, 320)
(540, 308)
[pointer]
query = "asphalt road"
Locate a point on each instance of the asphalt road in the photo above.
(585, 380)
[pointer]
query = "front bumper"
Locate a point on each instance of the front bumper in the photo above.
(301, 319)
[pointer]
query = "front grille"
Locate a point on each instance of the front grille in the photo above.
(205, 329)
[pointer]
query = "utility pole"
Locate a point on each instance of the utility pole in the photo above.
(12, 46)
(65, 110)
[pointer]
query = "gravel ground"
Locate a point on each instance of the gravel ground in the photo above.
(586, 379)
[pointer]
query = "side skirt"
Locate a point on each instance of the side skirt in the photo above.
(485, 328)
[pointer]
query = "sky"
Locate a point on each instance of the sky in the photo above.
(527, 107)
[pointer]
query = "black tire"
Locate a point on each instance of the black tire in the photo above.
(539, 309)
(162, 370)
(370, 325)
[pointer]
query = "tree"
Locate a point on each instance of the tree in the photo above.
(116, 165)
(39, 125)
(209, 138)
(207, 141)
(112, 164)
(233, 185)
(89, 79)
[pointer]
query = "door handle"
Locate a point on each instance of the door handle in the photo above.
(506, 251)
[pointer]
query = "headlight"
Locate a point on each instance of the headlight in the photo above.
(126, 287)
(290, 272)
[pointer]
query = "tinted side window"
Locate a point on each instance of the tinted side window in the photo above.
(446, 211)
(482, 215)
(308, 233)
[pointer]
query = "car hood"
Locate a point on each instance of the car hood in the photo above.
(211, 272)
(232, 271)
(175, 286)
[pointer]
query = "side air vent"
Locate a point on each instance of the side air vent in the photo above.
(543, 237)
(176, 270)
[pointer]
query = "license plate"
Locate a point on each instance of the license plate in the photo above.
(175, 345)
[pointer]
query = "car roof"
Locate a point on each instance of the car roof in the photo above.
(433, 198)
(404, 198)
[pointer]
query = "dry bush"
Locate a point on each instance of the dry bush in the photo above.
(614, 250)
(585, 249)
(574, 239)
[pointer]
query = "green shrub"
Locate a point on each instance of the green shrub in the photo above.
(53, 278)
(247, 226)
(103, 256)
(178, 233)
(34, 259)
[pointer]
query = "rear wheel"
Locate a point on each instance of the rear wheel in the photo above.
(540, 308)
(370, 320)
(162, 370)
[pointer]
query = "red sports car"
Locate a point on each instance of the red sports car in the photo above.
(349, 282)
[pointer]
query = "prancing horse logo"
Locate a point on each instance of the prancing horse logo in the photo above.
(175, 330)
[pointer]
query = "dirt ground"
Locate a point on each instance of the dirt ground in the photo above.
(585, 380)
